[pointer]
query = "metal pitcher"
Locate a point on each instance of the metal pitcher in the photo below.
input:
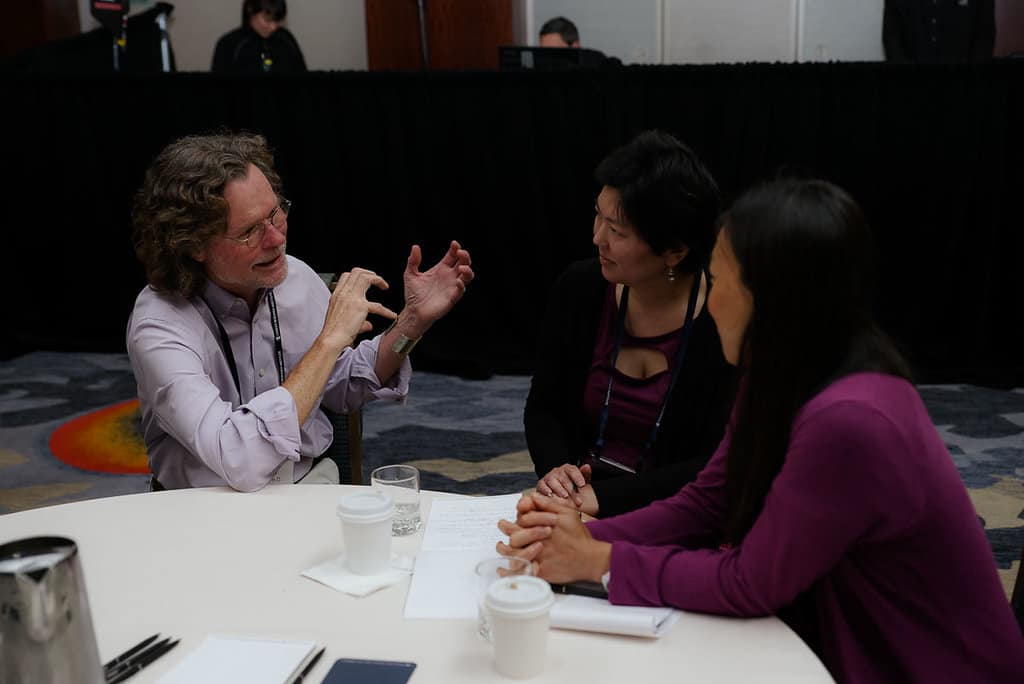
(46, 634)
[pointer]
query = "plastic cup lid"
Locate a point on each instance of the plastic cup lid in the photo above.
(366, 507)
(520, 597)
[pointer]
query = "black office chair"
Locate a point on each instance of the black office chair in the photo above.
(1017, 598)
(345, 450)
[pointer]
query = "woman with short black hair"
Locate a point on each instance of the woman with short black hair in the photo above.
(630, 391)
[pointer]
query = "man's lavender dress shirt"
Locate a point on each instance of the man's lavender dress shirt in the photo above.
(196, 430)
(869, 515)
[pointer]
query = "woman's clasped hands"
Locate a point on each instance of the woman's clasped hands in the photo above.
(552, 536)
(571, 485)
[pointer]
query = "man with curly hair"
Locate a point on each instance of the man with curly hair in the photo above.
(235, 344)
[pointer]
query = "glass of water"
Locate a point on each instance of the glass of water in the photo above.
(402, 484)
(487, 572)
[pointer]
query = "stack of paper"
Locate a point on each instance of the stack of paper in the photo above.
(597, 615)
(459, 533)
(241, 659)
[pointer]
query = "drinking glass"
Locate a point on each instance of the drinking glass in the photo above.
(402, 483)
(489, 571)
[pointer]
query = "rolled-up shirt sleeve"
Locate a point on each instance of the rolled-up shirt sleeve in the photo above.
(277, 420)
(354, 382)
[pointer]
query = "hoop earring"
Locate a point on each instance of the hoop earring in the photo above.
(670, 273)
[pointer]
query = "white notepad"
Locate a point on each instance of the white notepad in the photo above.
(222, 659)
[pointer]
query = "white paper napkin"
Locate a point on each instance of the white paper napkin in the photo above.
(597, 615)
(336, 575)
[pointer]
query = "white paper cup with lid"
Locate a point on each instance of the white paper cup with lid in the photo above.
(366, 528)
(519, 610)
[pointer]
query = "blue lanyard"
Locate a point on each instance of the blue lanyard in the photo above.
(225, 343)
(677, 365)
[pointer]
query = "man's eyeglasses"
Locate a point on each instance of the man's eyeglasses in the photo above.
(256, 231)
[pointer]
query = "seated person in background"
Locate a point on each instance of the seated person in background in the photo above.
(235, 344)
(261, 44)
(631, 391)
(559, 33)
(831, 497)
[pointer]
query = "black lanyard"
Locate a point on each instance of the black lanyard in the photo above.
(225, 342)
(677, 365)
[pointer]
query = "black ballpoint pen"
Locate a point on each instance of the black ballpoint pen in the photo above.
(114, 662)
(306, 670)
(145, 660)
(137, 657)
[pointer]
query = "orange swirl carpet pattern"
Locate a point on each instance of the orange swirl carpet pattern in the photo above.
(104, 441)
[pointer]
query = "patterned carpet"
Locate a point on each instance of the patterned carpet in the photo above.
(68, 432)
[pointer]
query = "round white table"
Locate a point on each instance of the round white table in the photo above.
(190, 563)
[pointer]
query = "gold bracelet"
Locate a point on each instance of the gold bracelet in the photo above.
(403, 345)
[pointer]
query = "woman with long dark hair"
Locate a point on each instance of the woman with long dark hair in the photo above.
(831, 501)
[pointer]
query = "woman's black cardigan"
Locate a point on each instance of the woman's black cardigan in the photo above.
(556, 432)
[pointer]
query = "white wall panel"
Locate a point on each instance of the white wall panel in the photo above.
(841, 30)
(332, 33)
(709, 31)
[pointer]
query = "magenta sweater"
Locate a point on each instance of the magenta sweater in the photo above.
(870, 515)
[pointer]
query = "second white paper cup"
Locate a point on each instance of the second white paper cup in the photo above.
(366, 527)
(519, 609)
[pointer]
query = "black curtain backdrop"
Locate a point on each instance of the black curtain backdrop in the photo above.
(504, 161)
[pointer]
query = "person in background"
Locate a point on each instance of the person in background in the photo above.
(832, 501)
(560, 33)
(631, 392)
(235, 344)
(932, 31)
(261, 44)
